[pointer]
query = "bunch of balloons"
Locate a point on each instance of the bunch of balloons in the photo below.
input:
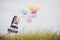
(34, 10)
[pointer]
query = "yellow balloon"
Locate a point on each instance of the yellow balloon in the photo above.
(31, 8)
(37, 8)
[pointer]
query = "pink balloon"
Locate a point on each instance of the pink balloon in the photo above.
(29, 20)
(34, 11)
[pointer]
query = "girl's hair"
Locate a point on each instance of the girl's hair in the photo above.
(13, 19)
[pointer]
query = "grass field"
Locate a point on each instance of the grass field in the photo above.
(31, 36)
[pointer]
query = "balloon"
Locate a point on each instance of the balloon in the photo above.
(37, 8)
(34, 11)
(24, 12)
(31, 8)
(29, 20)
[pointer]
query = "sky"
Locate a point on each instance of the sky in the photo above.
(47, 18)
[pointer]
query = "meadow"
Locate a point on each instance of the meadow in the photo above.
(32, 36)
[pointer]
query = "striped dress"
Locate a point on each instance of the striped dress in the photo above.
(13, 28)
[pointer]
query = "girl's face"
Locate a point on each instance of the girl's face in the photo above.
(15, 18)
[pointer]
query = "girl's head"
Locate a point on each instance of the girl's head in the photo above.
(14, 18)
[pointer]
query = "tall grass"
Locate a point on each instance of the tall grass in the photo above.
(31, 36)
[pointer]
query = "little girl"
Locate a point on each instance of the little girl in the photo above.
(14, 25)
